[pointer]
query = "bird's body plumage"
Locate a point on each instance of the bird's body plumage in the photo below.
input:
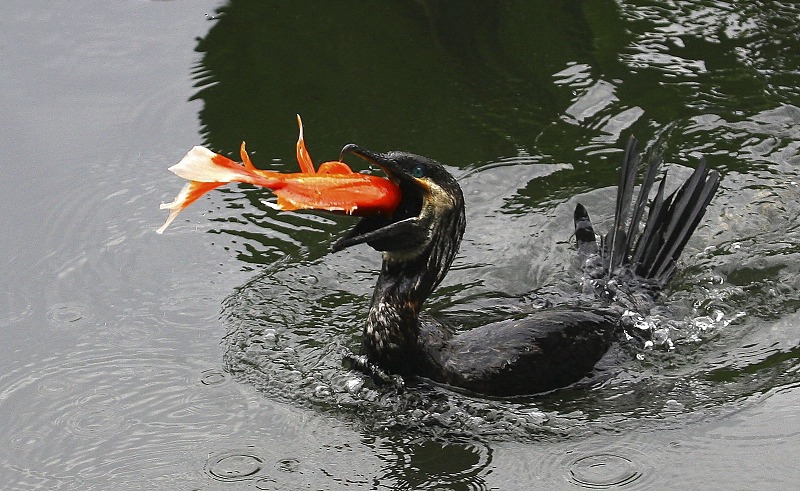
(542, 351)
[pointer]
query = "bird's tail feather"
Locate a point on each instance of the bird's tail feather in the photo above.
(652, 253)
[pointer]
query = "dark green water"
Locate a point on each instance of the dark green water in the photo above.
(210, 357)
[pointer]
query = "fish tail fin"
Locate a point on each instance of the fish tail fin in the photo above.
(206, 170)
(188, 195)
(202, 165)
(248, 164)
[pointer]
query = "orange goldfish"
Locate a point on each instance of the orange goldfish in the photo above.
(334, 187)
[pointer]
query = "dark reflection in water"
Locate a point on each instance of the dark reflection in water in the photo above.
(428, 76)
(428, 464)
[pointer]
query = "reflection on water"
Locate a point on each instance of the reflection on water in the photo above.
(427, 464)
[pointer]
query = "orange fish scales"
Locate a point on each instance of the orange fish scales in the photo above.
(358, 194)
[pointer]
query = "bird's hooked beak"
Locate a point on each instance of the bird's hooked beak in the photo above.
(390, 166)
(403, 229)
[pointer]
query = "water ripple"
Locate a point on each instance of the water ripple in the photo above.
(282, 351)
(234, 465)
(67, 314)
(603, 471)
(757, 41)
(130, 409)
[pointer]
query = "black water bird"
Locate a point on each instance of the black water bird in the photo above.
(547, 349)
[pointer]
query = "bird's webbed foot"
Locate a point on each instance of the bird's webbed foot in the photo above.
(378, 374)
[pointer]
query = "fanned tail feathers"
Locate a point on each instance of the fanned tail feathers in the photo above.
(652, 254)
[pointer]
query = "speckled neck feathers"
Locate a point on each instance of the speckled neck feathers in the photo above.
(391, 334)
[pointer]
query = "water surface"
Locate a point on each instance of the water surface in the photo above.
(210, 357)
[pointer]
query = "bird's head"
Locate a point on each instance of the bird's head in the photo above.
(431, 210)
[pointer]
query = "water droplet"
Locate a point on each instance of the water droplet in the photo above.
(212, 377)
(289, 465)
(270, 337)
(66, 314)
(322, 391)
(537, 417)
(603, 471)
(236, 465)
(354, 385)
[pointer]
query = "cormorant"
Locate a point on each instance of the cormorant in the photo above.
(551, 347)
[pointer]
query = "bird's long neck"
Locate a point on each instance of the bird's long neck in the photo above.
(392, 329)
(391, 334)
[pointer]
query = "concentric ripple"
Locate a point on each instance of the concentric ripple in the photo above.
(234, 465)
(603, 471)
(103, 402)
(65, 314)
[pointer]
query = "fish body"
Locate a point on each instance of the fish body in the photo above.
(334, 187)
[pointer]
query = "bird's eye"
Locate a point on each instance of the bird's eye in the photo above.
(418, 171)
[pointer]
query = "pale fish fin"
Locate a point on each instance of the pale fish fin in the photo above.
(203, 165)
(188, 195)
